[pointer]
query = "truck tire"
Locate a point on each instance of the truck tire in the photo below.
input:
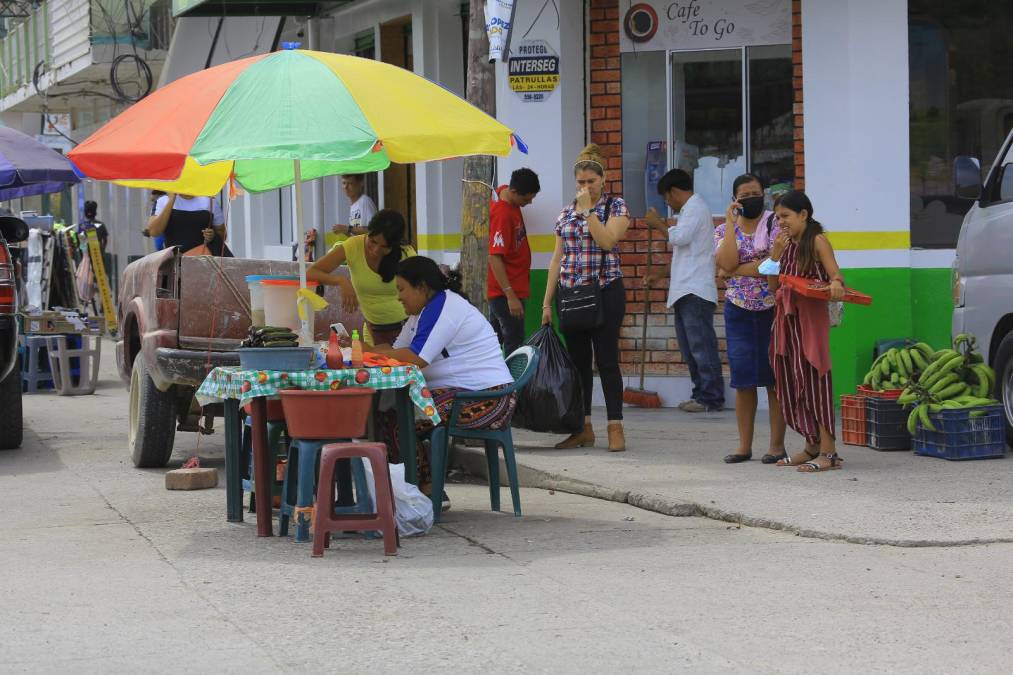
(11, 421)
(152, 419)
(1003, 364)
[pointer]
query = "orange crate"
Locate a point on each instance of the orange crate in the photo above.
(890, 394)
(853, 419)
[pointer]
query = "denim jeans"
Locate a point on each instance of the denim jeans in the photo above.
(509, 329)
(694, 329)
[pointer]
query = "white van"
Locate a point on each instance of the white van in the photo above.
(983, 269)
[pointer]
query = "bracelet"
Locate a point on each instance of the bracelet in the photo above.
(507, 288)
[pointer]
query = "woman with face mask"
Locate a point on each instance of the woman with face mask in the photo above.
(741, 243)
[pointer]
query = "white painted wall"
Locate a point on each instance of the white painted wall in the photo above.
(552, 129)
(855, 82)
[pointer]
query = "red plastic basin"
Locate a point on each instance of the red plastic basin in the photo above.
(325, 415)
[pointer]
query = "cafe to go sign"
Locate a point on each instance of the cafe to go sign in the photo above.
(533, 70)
(704, 24)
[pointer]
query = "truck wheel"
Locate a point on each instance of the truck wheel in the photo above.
(152, 419)
(11, 421)
(1003, 365)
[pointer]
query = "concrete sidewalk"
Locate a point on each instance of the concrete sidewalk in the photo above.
(673, 465)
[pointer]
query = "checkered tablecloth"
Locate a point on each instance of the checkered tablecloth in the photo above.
(231, 382)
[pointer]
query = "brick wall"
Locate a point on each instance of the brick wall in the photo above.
(605, 117)
(796, 61)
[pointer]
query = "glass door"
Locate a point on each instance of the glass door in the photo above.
(707, 133)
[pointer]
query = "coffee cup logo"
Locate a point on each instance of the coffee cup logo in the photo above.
(640, 22)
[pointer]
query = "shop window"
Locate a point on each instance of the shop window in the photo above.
(730, 112)
(961, 103)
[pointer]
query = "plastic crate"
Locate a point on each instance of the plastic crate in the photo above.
(888, 394)
(960, 436)
(886, 424)
(853, 429)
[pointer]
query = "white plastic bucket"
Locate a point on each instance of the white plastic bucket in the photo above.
(257, 317)
(280, 303)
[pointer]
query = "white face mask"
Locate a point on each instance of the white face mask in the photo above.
(769, 267)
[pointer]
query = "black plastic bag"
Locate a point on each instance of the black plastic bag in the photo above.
(552, 401)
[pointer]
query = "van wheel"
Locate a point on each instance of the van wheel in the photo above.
(152, 419)
(11, 421)
(1003, 365)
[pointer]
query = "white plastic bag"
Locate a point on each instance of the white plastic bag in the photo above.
(414, 509)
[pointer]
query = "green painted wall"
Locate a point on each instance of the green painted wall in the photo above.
(906, 302)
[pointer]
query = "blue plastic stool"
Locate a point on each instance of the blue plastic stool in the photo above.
(35, 373)
(274, 433)
(299, 488)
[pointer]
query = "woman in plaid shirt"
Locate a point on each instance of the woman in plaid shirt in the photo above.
(588, 233)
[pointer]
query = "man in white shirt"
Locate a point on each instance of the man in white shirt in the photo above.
(362, 210)
(692, 292)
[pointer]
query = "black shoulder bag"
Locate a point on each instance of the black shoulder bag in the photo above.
(580, 307)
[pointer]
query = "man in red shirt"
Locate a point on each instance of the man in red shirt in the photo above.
(510, 258)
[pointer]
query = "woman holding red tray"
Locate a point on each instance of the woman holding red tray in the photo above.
(800, 343)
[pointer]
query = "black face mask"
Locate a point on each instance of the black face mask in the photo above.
(752, 207)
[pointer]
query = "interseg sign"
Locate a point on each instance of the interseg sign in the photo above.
(533, 70)
(705, 24)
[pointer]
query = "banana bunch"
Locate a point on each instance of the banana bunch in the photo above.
(899, 367)
(956, 378)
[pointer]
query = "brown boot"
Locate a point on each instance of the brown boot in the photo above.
(581, 439)
(617, 439)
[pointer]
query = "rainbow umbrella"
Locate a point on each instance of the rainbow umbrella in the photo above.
(278, 119)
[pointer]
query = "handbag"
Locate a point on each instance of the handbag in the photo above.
(579, 307)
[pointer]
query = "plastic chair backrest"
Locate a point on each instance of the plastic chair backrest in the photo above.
(522, 364)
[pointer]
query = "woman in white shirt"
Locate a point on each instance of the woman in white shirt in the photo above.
(453, 344)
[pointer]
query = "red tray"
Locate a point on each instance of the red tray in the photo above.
(811, 288)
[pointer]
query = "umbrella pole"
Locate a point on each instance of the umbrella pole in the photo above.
(306, 331)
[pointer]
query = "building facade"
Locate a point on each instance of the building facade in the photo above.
(864, 103)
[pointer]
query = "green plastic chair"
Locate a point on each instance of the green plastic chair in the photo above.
(522, 364)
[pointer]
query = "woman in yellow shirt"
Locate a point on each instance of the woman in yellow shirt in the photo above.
(372, 260)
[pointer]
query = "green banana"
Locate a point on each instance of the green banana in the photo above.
(926, 351)
(867, 379)
(953, 391)
(918, 359)
(923, 417)
(907, 397)
(943, 382)
(912, 420)
(907, 362)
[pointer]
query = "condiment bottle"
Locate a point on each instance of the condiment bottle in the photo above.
(334, 360)
(356, 350)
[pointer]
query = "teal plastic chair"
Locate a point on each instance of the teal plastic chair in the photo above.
(522, 364)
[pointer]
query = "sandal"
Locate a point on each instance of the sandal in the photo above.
(797, 459)
(833, 461)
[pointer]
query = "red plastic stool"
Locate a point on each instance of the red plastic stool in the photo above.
(326, 520)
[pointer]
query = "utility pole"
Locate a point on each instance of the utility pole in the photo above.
(478, 170)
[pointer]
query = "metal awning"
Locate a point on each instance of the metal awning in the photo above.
(254, 8)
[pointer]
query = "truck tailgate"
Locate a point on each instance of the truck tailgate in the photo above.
(214, 301)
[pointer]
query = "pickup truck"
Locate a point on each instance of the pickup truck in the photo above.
(180, 316)
(12, 230)
(983, 268)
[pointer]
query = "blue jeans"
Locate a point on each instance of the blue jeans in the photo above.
(694, 329)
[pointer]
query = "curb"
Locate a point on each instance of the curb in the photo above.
(472, 461)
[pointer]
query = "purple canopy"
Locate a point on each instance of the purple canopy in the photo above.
(28, 167)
